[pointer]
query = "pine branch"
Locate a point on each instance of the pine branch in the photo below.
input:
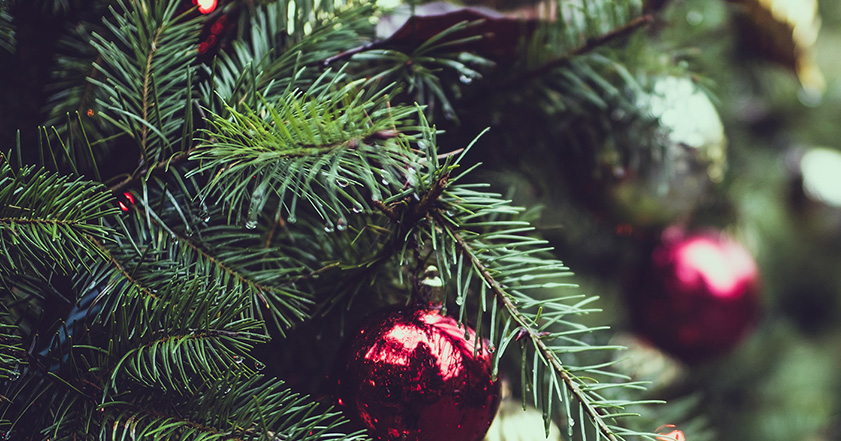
(48, 219)
(588, 46)
(7, 30)
(189, 335)
(147, 74)
(423, 71)
(269, 61)
(474, 237)
(143, 266)
(155, 169)
(320, 147)
(12, 354)
(528, 327)
(70, 91)
(243, 408)
(508, 263)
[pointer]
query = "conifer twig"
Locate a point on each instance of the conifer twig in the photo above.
(159, 167)
(547, 354)
(589, 45)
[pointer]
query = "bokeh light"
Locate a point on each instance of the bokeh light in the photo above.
(206, 6)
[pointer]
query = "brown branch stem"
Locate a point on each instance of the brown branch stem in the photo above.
(122, 271)
(159, 167)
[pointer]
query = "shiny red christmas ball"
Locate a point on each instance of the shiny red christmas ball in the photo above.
(698, 295)
(413, 374)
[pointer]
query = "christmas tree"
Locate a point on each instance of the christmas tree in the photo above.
(349, 220)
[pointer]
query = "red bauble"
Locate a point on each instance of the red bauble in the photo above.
(698, 296)
(412, 374)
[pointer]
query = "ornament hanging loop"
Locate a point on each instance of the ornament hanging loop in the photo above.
(429, 292)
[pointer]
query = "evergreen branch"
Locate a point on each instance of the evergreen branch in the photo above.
(119, 284)
(191, 335)
(156, 169)
(7, 30)
(588, 46)
(119, 267)
(146, 73)
(71, 107)
(225, 255)
(47, 218)
(271, 62)
(12, 354)
(320, 146)
(527, 326)
(474, 237)
(243, 407)
(423, 71)
(236, 275)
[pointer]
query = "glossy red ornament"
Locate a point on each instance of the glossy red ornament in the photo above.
(698, 296)
(411, 374)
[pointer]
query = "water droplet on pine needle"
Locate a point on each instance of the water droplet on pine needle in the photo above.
(256, 204)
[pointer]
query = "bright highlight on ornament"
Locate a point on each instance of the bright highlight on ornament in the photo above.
(723, 266)
(687, 113)
(206, 6)
(821, 170)
(697, 296)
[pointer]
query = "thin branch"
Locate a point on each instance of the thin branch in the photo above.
(504, 299)
(385, 209)
(427, 202)
(146, 78)
(198, 334)
(311, 274)
(419, 209)
(259, 288)
(589, 45)
(158, 415)
(19, 220)
(159, 167)
(122, 271)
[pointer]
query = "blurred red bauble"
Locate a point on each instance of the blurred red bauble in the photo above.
(411, 374)
(698, 295)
